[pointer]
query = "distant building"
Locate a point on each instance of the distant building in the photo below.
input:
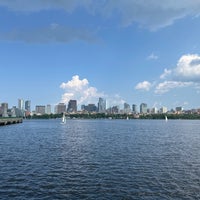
(28, 105)
(4, 107)
(40, 110)
(134, 109)
(179, 109)
(60, 108)
(21, 104)
(127, 108)
(102, 105)
(154, 110)
(48, 109)
(72, 106)
(89, 108)
(163, 110)
(143, 108)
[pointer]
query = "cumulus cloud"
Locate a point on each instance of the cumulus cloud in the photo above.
(80, 90)
(51, 33)
(145, 85)
(152, 14)
(188, 68)
(185, 74)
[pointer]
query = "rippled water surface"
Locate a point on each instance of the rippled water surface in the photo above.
(100, 159)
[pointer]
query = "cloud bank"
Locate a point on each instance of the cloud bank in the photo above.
(185, 74)
(80, 90)
(151, 14)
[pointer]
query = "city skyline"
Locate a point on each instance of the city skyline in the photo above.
(52, 52)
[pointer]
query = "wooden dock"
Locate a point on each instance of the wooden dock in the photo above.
(8, 121)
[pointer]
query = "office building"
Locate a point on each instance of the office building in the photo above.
(60, 108)
(40, 110)
(72, 106)
(102, 105)
(127, 108)
(134, 109)
(21, 104)
(48, 109)
(143, 108)
(4, 108)
(163, 110)
(28, 105)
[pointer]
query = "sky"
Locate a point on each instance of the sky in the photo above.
(133, 51)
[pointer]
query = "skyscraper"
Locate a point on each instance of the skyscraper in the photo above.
(40, 110)
(134, 109)
(72, 106)
(102, 105)
(143, 108)
(28, 105)
(48, 109)
(60, 108)
(21, 104)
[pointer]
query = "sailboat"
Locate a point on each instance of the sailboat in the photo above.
(63, 119)
(166, 119)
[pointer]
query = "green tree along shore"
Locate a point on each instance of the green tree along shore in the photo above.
(116, 116)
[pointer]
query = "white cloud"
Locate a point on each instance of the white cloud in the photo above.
(168, 85)
(145, 85)
(81, 90)
(165, 74)
(185, 74)
(152, 56)
(188, 68)
(152, 14)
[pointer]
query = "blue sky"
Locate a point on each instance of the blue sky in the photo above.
(124, 50)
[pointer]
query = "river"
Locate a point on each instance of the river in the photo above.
(100, 159)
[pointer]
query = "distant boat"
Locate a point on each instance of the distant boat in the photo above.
(63, 119)
(127, 118)
(166, 119)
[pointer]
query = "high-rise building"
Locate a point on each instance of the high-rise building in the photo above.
(21, 104)
(72, 106)
(89, 108)
(48, 109)
(102, 105)
(134, 109)
(4, 107)
(28, 105)
(40, 110)
(143, 108)
(60, 108)
(127, 108)
(163, 110)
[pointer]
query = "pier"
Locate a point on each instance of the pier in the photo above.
(8, 121)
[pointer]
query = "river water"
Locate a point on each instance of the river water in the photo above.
(100, 159)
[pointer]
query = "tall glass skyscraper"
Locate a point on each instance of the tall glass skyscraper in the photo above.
(21, 104)
(102, 105)
(28, 105)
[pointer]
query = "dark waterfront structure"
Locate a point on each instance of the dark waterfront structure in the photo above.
(8, 121)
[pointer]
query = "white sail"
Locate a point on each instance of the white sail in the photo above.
(63, 119)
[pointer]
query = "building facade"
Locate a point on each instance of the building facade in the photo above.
(40, 110)
(102, 105)
(143, 108)
(72, 106)
(60, 108)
